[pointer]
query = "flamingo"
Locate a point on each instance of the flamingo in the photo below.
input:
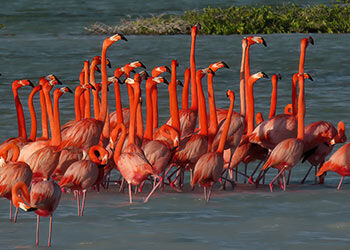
(184, 97)
(320, 138)
(33, 131)
(43, 199)
(339, 162)
(22, 133)
(44, 161)
(83, 174)
(132, 163)
(288, 152)
(209, 166)
(11, 173)
(87, 132)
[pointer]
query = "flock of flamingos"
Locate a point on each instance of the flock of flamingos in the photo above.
(81, 154)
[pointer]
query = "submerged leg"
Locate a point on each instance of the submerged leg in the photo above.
(37, 229)
(83, 203)
(10, 210)
(16, 213)
(76, 193)
(130, 193)
(50, 232)
(153, 189)
(341, 180)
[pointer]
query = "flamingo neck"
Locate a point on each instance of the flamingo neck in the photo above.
(242, 87)
(250, 105)
(203, 123)
(56, 130)
(213, 121)
(4, 151)
(78, 92)
(118, 102)
(34, 124)
(87, 113)
(44, 121)
(104, 83)
(94, 92)
(149, 119)
(139, 121)
(155, 106)
(301, 109)
(23, 198)
(225, 131)
(184, 99)
(294, 94)
(20, 114)
(273, 97)
(194, 97)
(120, 143)
(93, 156)
(133, 109)
(174, 106)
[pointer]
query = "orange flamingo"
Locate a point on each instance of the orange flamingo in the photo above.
(208, 168)
(43, 200)
(11, 173)
(83, 174)
(184, 97)
(288, 152)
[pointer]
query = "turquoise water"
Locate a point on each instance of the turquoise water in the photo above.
(44, 37)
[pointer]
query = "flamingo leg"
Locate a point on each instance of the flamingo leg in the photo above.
(209, 193)
(153, 189)
(130, 193)
(250, 179)
(307, 174)
(245, 172)
(315, 175)
(50, 232)
(10, 210)
(274, 179)
(205, 193)
(37, 229)
(83, 203)
(289, 174)
(76, 193)
(121, 189)
(341, 181)
(16, 214)
(284, 180)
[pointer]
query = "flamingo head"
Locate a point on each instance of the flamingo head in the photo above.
(20, 83)
(137, 64)
(53, 80)
(259, 75)
(255, 39)
(159, 70)
(340, 137)
(144, 75)
(88, 86)
(195, 29)
(112, 39)
(305, 41)
(215, 66)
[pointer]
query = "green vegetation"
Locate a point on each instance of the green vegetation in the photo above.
(2, 26)
(240, 20)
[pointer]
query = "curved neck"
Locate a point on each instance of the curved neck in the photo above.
(149, 118)
(225, 131)
(24, 197)
(169, 132)
(184, 99)
(34, 124)
(294, 94)
(213, 121)
(202, 112)
(87, 113)
(242, 81)
(93, 156)
(20, 114)
(194, 101)
(4, 151)
(118, 149)
(273, 97)
(173, 104)
(56, 131)
(78, 91)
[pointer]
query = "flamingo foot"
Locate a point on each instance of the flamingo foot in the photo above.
(271, 187)
(251, 180)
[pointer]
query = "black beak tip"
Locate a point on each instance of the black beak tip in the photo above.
(31, 209)
(98, 69)
(143, 66)
(69, 90)
(311, 40)
(167, 69)
(311, 79)
(31, 84)
(225, 65)
(279, 76)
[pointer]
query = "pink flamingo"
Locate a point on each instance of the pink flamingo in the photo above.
(339, 162)
(86, 132)
(208, 168)
(288, 152)
(83, 174)
(11, 173)
(132, 163)
(43, 200)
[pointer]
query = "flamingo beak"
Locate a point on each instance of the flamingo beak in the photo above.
(279, 77)
(263, 42)
(31, 84)
(26, 208)
(92, 86)
(69, 90)
(178, 82)
(98, 69)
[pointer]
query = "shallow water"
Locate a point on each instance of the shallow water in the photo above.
(40, 40)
